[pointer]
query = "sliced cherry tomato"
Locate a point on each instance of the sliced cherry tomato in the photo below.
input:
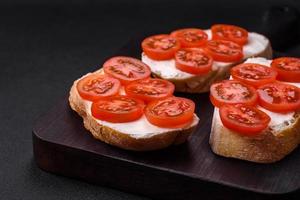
(126, 69)
(118, 109)
(190, 37)
(279, 97)
(172, 112)
(193, 61)
(246, 120)
(253, 74)
(160, 47)
(288, 68)
(229, 32)
(232, 92)
(96, 86)
(150, 89)
(224, 51)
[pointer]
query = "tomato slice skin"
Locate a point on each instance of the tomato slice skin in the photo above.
(245, 120)
(229, 32)
(160, 47)
(190, 37)
(150, 89)
(126, 69)
(279, 97)
(224, 51)
(172, 112)
(118, 109)
(232, 92)
(253, 74)
(193, 61)
(288, 68)
(96, 86)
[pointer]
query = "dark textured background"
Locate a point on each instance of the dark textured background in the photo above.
(45, 45)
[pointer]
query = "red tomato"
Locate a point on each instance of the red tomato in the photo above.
(232, 92)
(224, 51)
(193, 61)
(288, 68)
(160, 47)
(279, 97)
(253, 74)
(96, 86)
(246, 120)
(126, 69)
(229, 32)
(118, 109)
(150, 89)
(190, 37)
(172, 112)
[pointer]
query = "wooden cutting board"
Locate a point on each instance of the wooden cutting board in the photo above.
(63, 146)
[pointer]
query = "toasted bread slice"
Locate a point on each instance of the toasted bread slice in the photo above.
(257, 46)
(274, 143)
(138, 135)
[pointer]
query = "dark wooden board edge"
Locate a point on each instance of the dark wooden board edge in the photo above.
(134, 178)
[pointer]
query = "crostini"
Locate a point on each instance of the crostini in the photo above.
(257, 112)
(122, 106)
(193, 59)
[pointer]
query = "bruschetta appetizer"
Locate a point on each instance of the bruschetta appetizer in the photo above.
(123, 106)
(193, 59)
(257, 111)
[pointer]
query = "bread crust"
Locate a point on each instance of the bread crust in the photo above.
(269, 147)
(123, 140)
(202, 83)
